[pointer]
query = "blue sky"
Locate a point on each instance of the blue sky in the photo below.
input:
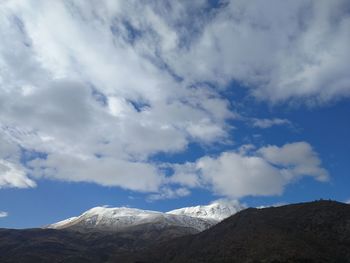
(160, 105)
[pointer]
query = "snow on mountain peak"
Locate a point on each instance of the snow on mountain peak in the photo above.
(217, 210)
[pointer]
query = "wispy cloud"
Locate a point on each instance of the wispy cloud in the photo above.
(168, 193)
(10, 175)
(3, 214)
(267, 123)
(272, 205)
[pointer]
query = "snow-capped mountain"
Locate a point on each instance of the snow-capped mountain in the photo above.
(216, 211)
(118, 219)
(198, 218)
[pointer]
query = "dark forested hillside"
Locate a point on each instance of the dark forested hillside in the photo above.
(307, 232)
(50, 245)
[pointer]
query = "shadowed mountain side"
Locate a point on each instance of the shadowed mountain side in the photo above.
(50, 245)
(308, 232)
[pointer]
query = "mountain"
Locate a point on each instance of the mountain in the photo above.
(104, 234)
(196, 219)
(307, 232)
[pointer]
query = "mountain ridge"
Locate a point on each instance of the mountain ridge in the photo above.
(121, 218)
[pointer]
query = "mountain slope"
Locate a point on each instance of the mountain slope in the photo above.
(308, 232)
(57, 246)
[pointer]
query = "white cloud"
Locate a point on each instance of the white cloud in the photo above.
(168, 193)
(13, 176)
(229, 202)
(232, 174)
(3, 214)
(264, 172)
(347, 202)
(294, 49)
(299, 157)
(185, 174)
(267, 123)
(106, 171)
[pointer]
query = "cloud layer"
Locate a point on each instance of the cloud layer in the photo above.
(76, 91)
(91, 90)
(281, 50)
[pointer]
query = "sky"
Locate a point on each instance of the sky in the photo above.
(164, 104)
